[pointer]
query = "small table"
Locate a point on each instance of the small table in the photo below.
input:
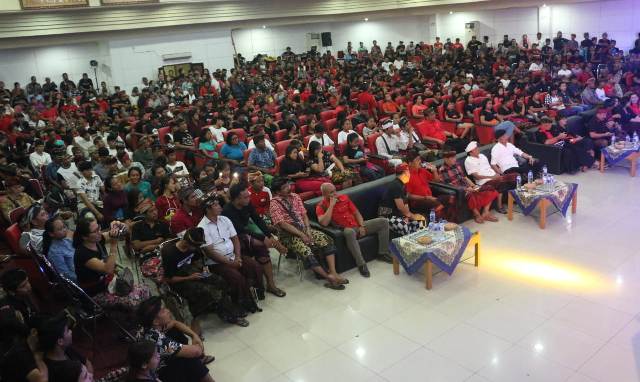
(560, 196)
(426, 256)
(613, 155)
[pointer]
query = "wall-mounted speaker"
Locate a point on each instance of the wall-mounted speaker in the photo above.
(326, 39)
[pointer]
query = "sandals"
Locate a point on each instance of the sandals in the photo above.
(478, 219)
(207, 359)
(240, 322)
(277, 292)
(490, 218)
(343, 281)
(334, 286)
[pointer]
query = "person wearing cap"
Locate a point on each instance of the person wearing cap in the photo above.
(241, 272)
(451, 173)
(340, 211)
(260, 195)
(90, 187)
(503, 157)
(388, 144)
(395, 205)
(179, 360)
(14, 198)
(186, 273)
(55, 339)
(148, 234)
(480, 170)
(69, 172)
(189, 214)
(310, 245)
(253, 242)
(589, 96)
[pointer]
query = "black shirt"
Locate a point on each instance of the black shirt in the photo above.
(17, 363)
(24, 306)
(183, 138)
(173, 260)
(144, 232)
(488, 115)
(85, 275)
(290, 167)
(396, 190)
(57, 369)
(240, 219)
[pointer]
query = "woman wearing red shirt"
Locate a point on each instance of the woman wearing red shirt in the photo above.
(167, 203)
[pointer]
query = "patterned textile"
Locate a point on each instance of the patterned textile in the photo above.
(560, 196)
(445, 251)
(131, 301)
(165, 346)
(321, 246)
(452, 175)
(614, 155)
(400, 226)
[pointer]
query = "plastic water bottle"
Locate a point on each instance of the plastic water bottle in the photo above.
(545, 171)
(530, 177)
(518, 182)
(628, 138)
(432, 217)
(613, 140)
(636, 139)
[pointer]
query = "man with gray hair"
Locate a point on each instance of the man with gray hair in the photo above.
(340, 211)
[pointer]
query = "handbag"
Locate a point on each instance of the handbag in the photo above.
(124, 282)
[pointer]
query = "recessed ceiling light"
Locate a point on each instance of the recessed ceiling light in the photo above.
(264, 27)
(450, 12)
(544, 5)
(366, 19)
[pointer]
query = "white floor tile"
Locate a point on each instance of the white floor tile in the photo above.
(421, 324)
(379, 348)
(613, 363)
(243, 366)
(505, 322)
(595, 319)
(518, 364)
(425, 365)
(331, 366)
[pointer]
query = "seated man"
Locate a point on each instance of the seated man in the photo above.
(431, 131)
(185, 272)
(55, 339)
(260, 196)
(188, 214)
(479, 169)
(254, 244)
(15, 198)
(148, 234)
(179, 361)
(388, 144)
(600, 131)
(451, 173)
(290, 217)
(421, 199)
(503, 158)
(340, 211)
(17, 289)
(262, 159)
(225, 256)
(320, 136)
(32, 223)
(395, 207)
(90, 187)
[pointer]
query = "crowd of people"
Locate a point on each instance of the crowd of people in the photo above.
(204, 174)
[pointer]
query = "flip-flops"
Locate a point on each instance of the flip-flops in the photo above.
(277, 292)
(334, 286)
(207, 359)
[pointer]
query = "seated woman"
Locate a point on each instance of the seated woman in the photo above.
(452, 115)
(167, 202)
(577, 152)
(233, 150)
(394, 205)
(115, 200)
(356, 159)
(207, 145)
(323, 163)
(222, 176)
(57, 246)
(15, 198)
(95, 267)
(295, 168)
(469, 106)
(451, 173)
(346, 128)
(417, 110)
(293, 132)
(135, 181)
(32, 224)
(487, 115)
(631, 115)
(179, 360)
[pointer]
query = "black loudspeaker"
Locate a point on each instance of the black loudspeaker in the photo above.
(326, 38)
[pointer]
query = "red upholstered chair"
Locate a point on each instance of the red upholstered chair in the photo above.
(305, 140)
(476, 116)
(304, 130)
(12, 235)
(219, 147)
(37, 187)
(333, 134)
(242, 135)
(278, 161)
(246, 153)
(330, 124)
(327, 115)
(460, 106)
(281, 146)
(486, 134)
(16, 214)
(330, 149)
(280, 135)
(162, 134)
(440, 112)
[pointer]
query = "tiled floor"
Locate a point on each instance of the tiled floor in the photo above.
(561, 304)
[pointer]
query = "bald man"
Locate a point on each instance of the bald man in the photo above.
(339, 210)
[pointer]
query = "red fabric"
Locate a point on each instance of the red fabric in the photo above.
(432, 129)
(5, 122)
(343, 212)
(310, 184)
(419, 182)
(480, 199)
(182, 221)
(366, 101)
(260, 201)
(164, 205)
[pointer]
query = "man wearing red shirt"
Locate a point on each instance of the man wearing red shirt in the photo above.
(189, 214)
(340, 211)
(430, 130)
(367, 102)
(260, 195)
(421, 199)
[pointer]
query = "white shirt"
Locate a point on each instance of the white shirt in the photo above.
(392, 141)
(84, 145)
(565, 73)
(71, 175)
(404, 139)
(324, 141)
(39, 160)
(180, 171)
(535, 67)
(342, 136)
(91, 188)
(217, 133)
(266, 143)
(218, 235)
(479, 166)
(601, 95)
(503, 156)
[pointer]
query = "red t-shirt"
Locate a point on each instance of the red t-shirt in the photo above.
(419, 182)
(432, 129)
(343, 212)
(366, 101)
(166, 206)
(182, 221)
(260, 200)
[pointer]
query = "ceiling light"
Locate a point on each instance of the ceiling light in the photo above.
(450, 12)
(544, 5)
(366, 19)
(264, 27)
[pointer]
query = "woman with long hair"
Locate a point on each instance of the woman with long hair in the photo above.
(115, 200)
(135, 181)
(57, 246)
(323, 163)
(167, 202)
(294, 168)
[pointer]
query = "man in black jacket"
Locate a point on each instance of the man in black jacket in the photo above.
(254, 242)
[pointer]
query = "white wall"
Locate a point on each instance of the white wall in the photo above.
(273, 40)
